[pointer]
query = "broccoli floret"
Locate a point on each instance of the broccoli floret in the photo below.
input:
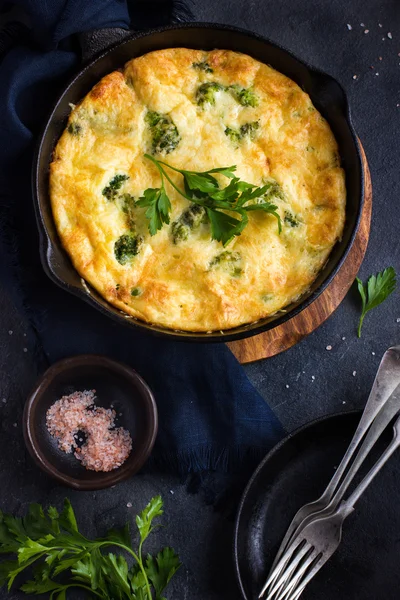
(233, 135)
(247, 129)
(206, 93)
(136, 291)
(74, 128)
(274, 192)
(190, 219)
(245, 96)
(128, 207)
(203, 66)
(229, 262)
(290, 219)
(165, 135)
(111, 190)
(126, 247)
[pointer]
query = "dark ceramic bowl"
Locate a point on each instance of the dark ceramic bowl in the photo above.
(116, 384)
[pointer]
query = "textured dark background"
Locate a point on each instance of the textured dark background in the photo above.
(307, 381)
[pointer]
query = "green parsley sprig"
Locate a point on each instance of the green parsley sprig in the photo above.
(375, 291)
(202, 188)
(62, 558)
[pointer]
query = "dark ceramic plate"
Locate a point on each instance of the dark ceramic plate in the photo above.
(366, 565)
(116, 384)
(326, 93)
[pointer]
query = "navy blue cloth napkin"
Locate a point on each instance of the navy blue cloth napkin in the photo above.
(211, 417)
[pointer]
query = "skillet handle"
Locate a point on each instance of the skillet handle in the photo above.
(96, 41)
(148, 14)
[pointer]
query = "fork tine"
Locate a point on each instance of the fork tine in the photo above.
(296, 580)
(318, 563)
(280, 566)
(288, 571)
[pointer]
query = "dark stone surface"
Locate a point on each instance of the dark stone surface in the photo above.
(199, 514)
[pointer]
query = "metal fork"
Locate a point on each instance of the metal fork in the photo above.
(384, 417)
(386, 381)
(316, 543)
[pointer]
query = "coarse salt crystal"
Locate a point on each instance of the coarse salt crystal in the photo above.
(362, 24)
(373, 353)
(354, 76)
(366, 31)
(349, 27)
(390, 36)
(4, 400)
(287, 385)
(329, 347)
(344, 337)
(14, 424)
(313, 377)
(25, 349)
(10, 332)
(106, 446)
(129, 505)
(354, 373)
(398, 319)
(344, 402)
(380, 25)
(171, 492)
(376, 74)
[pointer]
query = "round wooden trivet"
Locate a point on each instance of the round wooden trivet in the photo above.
(285, 336)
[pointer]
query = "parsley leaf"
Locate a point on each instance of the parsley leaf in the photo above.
(375, 291)
(203, 189)
(158, 210)
(161, 568)
(51, 545)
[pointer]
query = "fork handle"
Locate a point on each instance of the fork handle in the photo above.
(360, 489)
(386, 381)
(381, 421)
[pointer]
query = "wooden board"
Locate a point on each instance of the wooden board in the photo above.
(285, 336)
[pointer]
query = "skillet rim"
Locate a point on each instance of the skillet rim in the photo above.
(85, 291)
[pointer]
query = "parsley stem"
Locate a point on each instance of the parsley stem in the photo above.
(138, 560)
(163, 172)
(360, 324)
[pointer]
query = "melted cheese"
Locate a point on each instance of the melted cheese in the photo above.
(174, 285)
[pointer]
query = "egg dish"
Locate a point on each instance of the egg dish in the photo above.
(143, 206)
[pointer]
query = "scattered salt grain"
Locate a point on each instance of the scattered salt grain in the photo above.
(4, 401)
(14, 424)
(366, 31)
(354, 76)
(362, 24)
(354, 373)
(10, 332)
(129, 505)
(25, 349)
(329, 347)
(344, 337)
(171, 492)
(376, 74)
(344, 402)
(106, 447)
(380, 25)
(383, 39)
(24, 334)
(373, 353)
(380, 58)
(287, 386)
(390, 36)
(349, 27)
(398, 320)
(313, 377)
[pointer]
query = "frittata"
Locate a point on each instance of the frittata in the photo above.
(197, 111)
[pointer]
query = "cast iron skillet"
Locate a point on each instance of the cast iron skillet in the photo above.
(327, 95)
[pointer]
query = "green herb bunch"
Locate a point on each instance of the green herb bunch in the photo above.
(227, 208)
(60, 557)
